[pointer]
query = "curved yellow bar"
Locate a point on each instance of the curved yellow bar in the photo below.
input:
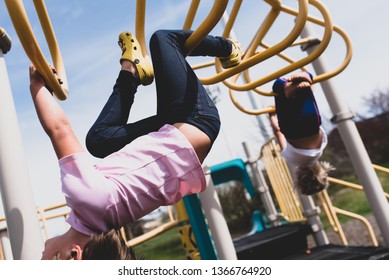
(191, 14)
(336, 29)
(251, 51)
(323, 76)
(330, 212)
(317, 52)
(381, 168)
(291, 67)
(140, 25)
(362, 219)
(344, 64)
(268, 110)
(26, 36)
(218, 8)
(259, 57)
(282, 56)
(232, 17)
(205, 27)
(317, 79)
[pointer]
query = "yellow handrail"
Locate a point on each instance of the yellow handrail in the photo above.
(330, 211)
(54, 216)
(56, 206)
(381, 168)
(363, 220)
(153, 233)
(353, 215)
(56, 81)
(349, 185)
(43, 210)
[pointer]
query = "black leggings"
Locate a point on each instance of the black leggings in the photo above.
(180, 95)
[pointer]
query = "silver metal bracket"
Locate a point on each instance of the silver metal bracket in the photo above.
(340, 117)
(5, 41)
(314, 41)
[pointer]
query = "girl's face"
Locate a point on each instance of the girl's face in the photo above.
(58, 248)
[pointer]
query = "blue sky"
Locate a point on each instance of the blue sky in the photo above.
(87, 33)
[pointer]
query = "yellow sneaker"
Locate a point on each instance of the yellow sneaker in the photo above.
(132, 51)
(235, 57)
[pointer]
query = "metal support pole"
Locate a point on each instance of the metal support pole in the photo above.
(262, 187)
(354, 145)
(217, 223)
(20, 212)
(311, 212)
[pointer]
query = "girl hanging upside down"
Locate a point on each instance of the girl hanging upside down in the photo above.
(297, 127)
(152, 162)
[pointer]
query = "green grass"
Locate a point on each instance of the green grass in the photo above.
(166, 246)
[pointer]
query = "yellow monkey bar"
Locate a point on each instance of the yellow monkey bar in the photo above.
(249, 61)
(218, 8)
(292, 65)
(205, 27)
(57, 82)
(274, 51)
(347, 59)
(251, 51)
(191, 14)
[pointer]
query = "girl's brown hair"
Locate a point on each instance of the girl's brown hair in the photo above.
(107, 246)
(313, 179)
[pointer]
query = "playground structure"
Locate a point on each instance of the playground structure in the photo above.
(284, 233)
(203, 213)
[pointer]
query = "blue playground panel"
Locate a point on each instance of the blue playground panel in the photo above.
(233, 170)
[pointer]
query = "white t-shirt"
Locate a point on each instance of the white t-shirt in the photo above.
(295, 157)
